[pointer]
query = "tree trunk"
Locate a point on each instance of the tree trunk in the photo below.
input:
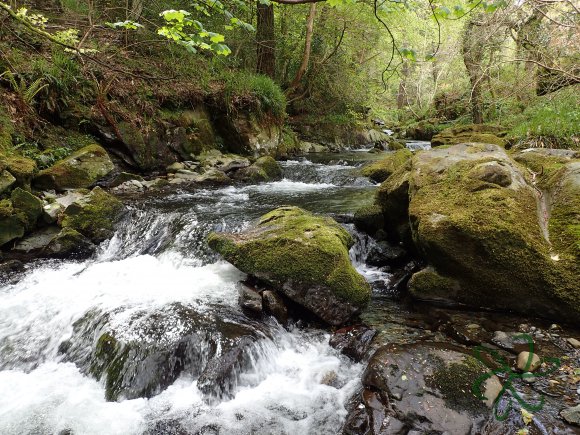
(402, 100)
(265, 41)
(472, 51)
(307, 47)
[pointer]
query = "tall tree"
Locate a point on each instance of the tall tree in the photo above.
(473, 51)
(266, 40)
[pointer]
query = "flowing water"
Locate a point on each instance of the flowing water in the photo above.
(138, 287)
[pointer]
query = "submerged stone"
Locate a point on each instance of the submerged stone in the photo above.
(303, 256)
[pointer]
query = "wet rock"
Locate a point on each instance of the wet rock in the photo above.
(330, 379)
(275, 306)
(353, 341)
(67, 243)
(384, 253)
(369, 219)
(514, 342)
(124, 177)
(382, 169)
(218, 379)
(303, 256)
(37, 240)
(94, 215)
(250, 299)
(150, 349)
(51, 212)
(10, 266)
(433, 386)
(528, 362)
(263, 169)
(372, 415)
(213, 176)
(81, 169)
(571, 415)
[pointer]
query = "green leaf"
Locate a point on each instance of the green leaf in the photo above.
(408, 53)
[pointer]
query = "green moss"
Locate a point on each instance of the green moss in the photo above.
(110, 359)
(94, 216)
(6, 129)
(12, 222)
(28, 204)
(289, 244)
(429, 285)
(369, 219)
(81, 169)
(488, 238)
(21, 168)
(455, 381)
(382, 169)
(480, 133)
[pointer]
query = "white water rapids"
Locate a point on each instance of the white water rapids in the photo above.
(156, 259)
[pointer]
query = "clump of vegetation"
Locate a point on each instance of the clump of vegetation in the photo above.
(550, 121)
(257, 92)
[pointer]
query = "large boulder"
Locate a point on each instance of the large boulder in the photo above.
(302, 256)
(80, 170)
(470, 133)
(491, 236)
(94, 215)
(382, 169)
(147, 353)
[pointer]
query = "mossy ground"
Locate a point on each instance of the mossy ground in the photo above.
(292, 245)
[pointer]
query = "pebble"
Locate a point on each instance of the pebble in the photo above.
(574, 343)
(523, 361)
(529, 377)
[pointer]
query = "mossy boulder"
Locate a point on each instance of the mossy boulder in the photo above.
(482, 133)
(13, 222)
(80, 170)
(94, 215)
(69, 242)
(7, 180)
(491, 238)
(263, 169)
(21, 168)
(382, 169)
(302, 256)
(28, 204)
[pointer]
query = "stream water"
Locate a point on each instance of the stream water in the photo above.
(157, 289)
(137, 288)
